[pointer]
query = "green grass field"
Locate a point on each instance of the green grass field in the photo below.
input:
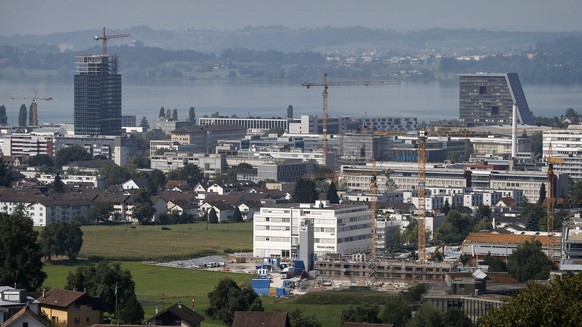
(138, 243)
(162, 286)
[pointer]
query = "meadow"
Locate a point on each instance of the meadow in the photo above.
(140, 243)
(159, 287)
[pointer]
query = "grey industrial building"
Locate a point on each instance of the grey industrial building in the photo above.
(488, 98)
(97, 100)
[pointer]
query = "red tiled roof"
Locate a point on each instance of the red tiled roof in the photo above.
(507, 238)
(25, 311)
(260, 318)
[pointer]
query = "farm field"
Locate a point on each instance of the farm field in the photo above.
(160, 287)
(139, 242)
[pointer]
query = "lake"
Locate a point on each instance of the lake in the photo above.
(427, 101)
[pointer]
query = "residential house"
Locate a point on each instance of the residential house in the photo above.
(260, 318)
(229, 187)
(224, 211)
(25, 317)
(71, 308)
(13, 300)
(44, 208)
(177, 186)
(181, 207)
(137, 183)
(176, 315)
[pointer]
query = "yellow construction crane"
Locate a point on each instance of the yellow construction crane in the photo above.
(326, 84)
(106, 37)
(34, 110)
(551, 199)
(422, 136)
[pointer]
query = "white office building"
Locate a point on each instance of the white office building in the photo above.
(567, 145)
(338, 228)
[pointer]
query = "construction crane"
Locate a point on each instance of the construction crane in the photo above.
(551, 200)
(422, 136)
(326, 85)
(106, 37)
(34, 110)
(373, 209)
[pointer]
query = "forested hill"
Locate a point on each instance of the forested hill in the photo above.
(325, 39)
(278, 53)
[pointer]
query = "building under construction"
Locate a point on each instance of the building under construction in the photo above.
(382, 270)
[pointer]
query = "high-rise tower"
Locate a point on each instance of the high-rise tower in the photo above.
(487, 99)
(97, 95)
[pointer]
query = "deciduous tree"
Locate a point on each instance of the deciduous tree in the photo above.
(114, 174)
(143, 208)
(529, 262)
(455, 317)
(228, 297)
(5, 173)
(362, 313)
(100, 212)
(426, 316)
(305, 192)
(20, 253)
(41, 160)
(71, 154)
(189, 173)
(397, 311)
(299, 319)
(62, 238)
(556, 304)
(112, 285)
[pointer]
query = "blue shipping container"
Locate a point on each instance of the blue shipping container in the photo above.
(260, 283)
(280, 292)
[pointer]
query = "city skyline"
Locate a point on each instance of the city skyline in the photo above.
(63, 16)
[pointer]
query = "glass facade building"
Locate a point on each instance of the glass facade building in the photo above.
(97, 99)
(487, 99)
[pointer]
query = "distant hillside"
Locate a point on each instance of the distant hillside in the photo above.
(325, 39)
(279, 53)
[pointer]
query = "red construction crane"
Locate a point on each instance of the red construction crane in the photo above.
(106, 37)
(326, 85)
(34, 111)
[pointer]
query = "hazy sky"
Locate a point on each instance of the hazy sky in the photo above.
(48, 16)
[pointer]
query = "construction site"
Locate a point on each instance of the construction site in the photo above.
(372, 267)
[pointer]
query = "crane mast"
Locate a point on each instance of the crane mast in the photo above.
(551, 200)
(422, 135)
(550, 219)
(373, 209)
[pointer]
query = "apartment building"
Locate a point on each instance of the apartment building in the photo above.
(565, 144)
(338, 228)
(210, 165)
